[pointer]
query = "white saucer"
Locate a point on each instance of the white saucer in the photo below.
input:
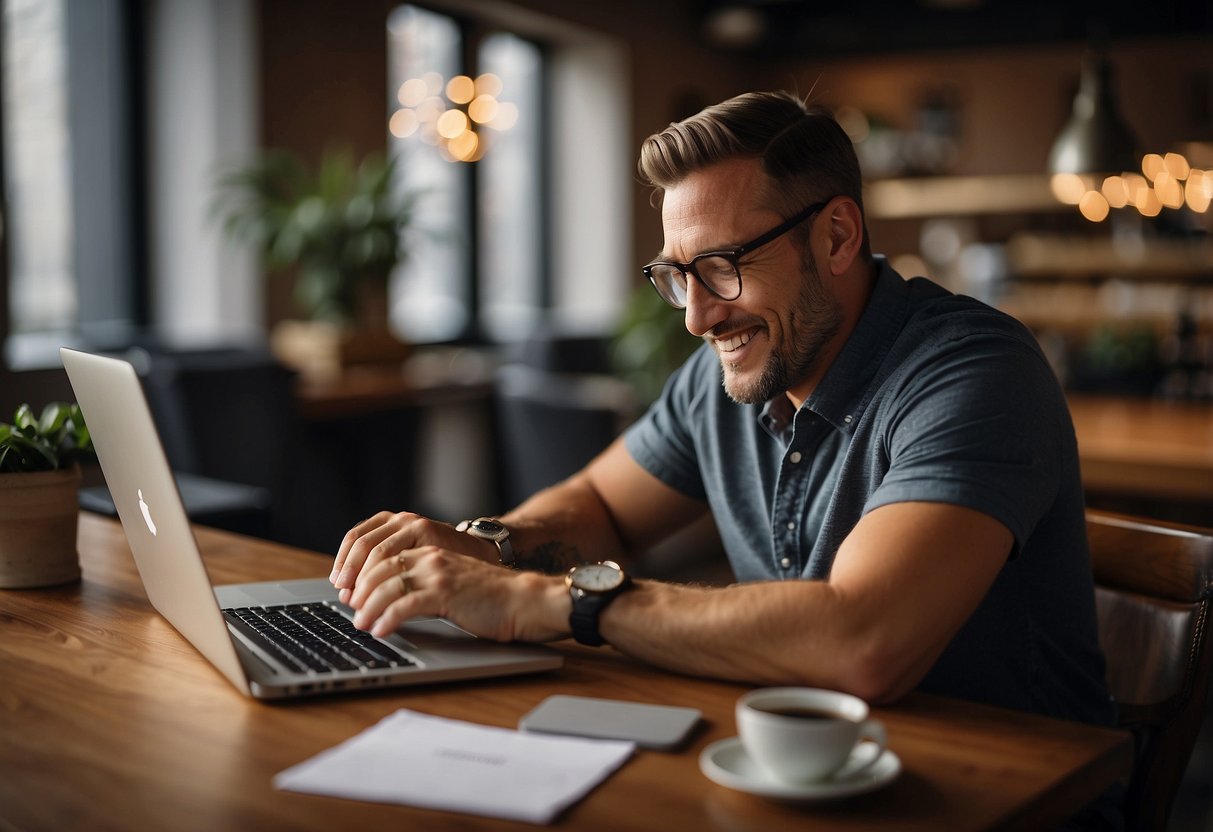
(727, 763)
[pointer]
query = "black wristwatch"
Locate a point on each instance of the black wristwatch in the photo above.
(592, 586)
(486, 528)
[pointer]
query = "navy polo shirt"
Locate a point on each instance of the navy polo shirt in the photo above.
(934, 397)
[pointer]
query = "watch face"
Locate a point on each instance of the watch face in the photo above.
(597, 577)
(490, 529)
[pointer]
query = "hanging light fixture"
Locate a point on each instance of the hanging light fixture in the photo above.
(1096, 139)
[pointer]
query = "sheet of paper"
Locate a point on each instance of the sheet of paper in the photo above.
(421, 760)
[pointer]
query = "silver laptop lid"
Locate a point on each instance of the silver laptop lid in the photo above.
(149, 505)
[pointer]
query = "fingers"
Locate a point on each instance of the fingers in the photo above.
(374, 539)
(387, 595)
(343, 563)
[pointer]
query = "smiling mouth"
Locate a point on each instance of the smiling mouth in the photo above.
(735, 342)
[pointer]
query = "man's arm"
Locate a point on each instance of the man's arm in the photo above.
(611, 510)
(903, 583)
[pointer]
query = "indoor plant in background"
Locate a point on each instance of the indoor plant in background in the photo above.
(39, 508)
(338, 229)
(650, 342)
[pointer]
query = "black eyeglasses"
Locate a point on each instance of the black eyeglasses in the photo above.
(717, 271)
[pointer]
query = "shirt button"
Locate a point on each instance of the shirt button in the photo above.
(791, 525)
(786, 563)
(795, 457)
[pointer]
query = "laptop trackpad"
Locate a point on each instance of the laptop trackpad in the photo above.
(432, 631)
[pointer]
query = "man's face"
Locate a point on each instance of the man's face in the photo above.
(770, 338)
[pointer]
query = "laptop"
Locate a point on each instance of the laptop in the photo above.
(275, 639)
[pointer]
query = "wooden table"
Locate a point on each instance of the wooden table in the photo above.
(110, 720)
(433, 378)
(1145, 447)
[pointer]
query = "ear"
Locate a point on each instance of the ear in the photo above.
(844, 223)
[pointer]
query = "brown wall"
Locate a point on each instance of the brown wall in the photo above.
(323, 86)
(1014, 100)
(324, 75)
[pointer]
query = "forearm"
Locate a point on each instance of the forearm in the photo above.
(764, 633)
(562, 526)
(895, 599)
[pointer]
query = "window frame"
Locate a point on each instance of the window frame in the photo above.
(472, 34)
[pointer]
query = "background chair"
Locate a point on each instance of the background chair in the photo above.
(226, 419)
(554, 411)
(551, 424)
(1154, 584)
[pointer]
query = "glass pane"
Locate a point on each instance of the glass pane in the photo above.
(37, 166)
(430, 291)
(511, 256)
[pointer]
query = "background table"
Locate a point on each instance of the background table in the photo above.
(1146, 448)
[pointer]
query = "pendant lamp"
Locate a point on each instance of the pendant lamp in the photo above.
(1096, 138)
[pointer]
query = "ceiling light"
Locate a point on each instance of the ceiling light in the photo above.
(1096, 138)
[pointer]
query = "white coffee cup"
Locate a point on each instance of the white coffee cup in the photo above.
(800, 735)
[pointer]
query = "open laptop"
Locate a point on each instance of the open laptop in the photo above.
(272, 640)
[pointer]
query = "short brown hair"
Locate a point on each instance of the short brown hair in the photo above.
(801, 147)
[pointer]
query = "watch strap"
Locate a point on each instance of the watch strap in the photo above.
(587, 609)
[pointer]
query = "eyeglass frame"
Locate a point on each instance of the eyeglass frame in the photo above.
(731, 255)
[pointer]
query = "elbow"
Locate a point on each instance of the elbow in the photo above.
(879, 675)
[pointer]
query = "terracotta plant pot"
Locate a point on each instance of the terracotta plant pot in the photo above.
(39, 514)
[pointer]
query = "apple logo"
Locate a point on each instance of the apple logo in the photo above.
(147, 514)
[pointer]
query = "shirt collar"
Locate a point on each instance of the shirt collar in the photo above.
(844, 391)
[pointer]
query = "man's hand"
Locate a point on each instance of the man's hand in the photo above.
(393, 567)
(385, 535)
(485, 600)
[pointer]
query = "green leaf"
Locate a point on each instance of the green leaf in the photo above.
(38, 455)
(24, 417)
(55, 440)
(52, 419)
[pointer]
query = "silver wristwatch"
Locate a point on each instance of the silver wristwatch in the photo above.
(486, 528)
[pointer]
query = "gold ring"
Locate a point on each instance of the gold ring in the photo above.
(404, 584)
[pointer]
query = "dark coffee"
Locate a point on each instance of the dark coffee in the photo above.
(801, 712)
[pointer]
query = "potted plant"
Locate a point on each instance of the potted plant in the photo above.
(338, 228)
(39, 508)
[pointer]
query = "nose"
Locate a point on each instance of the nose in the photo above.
(704, 310)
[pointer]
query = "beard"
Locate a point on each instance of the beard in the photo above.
(813, 320)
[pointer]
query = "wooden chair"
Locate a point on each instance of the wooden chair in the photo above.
(1154, 582)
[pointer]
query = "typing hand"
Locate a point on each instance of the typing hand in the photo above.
(483, 599)
(385, 535)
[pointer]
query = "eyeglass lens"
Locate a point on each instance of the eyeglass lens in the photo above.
(718, 274)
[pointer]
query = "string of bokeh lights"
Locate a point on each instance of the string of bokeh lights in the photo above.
(1165, 181)
(452, 115)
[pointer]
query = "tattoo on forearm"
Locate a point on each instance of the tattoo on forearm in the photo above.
(552, 558)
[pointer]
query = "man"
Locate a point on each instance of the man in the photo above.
(892, 468)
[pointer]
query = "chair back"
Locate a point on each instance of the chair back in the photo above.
(549, 425)
(1154, 581)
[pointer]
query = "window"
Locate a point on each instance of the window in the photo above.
(69, 148)
(42, 292)
(476, 263)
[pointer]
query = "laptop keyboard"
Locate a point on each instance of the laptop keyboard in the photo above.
(313, 638)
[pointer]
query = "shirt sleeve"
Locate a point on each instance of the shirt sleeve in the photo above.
(983, 425)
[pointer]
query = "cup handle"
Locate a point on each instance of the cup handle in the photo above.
(873, 730)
